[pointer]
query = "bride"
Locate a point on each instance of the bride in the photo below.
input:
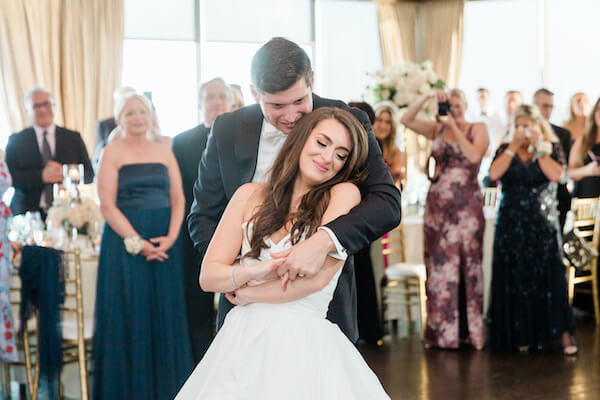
(277, 344)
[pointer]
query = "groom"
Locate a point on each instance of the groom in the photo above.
(241, 149)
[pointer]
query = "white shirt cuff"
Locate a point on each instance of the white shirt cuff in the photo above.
(340, 252)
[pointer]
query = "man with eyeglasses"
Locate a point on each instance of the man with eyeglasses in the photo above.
(544, 99)
(35, 155)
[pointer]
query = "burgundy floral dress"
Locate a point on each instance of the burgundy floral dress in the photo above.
(453, 247)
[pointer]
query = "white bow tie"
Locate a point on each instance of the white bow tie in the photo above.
(273, 134)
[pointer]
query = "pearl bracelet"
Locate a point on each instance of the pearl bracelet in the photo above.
(134, 244)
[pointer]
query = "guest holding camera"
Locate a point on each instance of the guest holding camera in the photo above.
(529, 307)
(584, 158)
(453, 221)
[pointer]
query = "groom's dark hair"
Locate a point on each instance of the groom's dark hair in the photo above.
(278, 65)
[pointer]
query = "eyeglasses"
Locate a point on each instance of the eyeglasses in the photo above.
(45, 104)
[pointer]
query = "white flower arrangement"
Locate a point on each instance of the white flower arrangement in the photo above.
(402, 83)
(81, 214)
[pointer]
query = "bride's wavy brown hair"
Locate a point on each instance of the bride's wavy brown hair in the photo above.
(275, 213)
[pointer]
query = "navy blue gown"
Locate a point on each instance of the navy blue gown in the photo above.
(141, 343)
(529, 304)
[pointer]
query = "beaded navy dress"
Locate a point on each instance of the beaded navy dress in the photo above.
(141, 343)
(529, 303)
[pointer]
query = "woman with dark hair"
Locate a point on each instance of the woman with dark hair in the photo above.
(529, 303)
(453, 223)
(276, 342)
(584, 159)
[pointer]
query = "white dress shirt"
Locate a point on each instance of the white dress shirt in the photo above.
(51, 138)
(270, 142)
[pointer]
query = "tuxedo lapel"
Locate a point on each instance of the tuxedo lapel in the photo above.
(246, 145)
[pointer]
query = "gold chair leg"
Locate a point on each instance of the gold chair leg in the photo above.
(595, 293)
(6, 367)
(423, 306)
(27, 349)
(570, 284)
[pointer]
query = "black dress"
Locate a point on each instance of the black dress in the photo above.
(589, 186)
(529, 303)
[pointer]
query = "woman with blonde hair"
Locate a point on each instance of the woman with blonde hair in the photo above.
(141, 344)
(584, 159)
(579, 109)
(529, 302)
(385, 129)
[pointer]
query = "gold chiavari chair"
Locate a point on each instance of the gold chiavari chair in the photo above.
(586, 223)
(76, 330)
(403, 284)
(491, 197)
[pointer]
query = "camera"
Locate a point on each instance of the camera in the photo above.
(444, 108)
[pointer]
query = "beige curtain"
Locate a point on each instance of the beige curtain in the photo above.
(419, 31)
(397, 31)
(443, 36)
(72, 47)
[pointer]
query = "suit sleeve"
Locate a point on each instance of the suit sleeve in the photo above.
(379, 211)
(84, 158)
(26, 179)
(209, 195)
(98, 145)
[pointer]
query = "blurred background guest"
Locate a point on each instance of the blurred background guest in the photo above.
(385, 129)
(35, 155)
(237, 97)
(579, 109)
(8, 348)
(215, 99)
(529, 303)
(495, 127)
(453, 222)
(584, 159)
(370, 328)
(141, 343)
(513, 100)
(106, 126)
(544, 100)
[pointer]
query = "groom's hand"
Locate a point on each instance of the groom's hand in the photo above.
(304, 259)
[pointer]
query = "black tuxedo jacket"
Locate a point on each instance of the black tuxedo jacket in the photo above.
(229, 161)
(103, 130)
(24, 162)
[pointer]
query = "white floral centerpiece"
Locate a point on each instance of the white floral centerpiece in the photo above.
(402, 83)
(77, 214)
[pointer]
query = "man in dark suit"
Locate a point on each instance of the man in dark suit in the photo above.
(35, 155)
(242, 148)
(544, 99)
(106, 126)
(214, 99)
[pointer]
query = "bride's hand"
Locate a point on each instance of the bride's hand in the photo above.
(266, 270)
(238, 297)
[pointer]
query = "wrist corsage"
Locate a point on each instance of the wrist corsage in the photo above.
(134, 244)
(543, 149)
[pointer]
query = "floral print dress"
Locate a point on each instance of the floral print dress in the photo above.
(8, 349)
(453, 234)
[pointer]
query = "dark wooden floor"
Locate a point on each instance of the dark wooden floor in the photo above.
(409, 372)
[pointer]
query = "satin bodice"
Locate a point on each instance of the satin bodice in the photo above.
(144, 185)
(315, 304)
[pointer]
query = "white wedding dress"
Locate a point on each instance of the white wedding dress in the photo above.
(282, 351)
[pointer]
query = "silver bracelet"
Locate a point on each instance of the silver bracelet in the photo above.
(509, 153)
(231, 270)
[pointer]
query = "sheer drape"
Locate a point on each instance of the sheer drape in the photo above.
(417, 31)
(72, 47)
